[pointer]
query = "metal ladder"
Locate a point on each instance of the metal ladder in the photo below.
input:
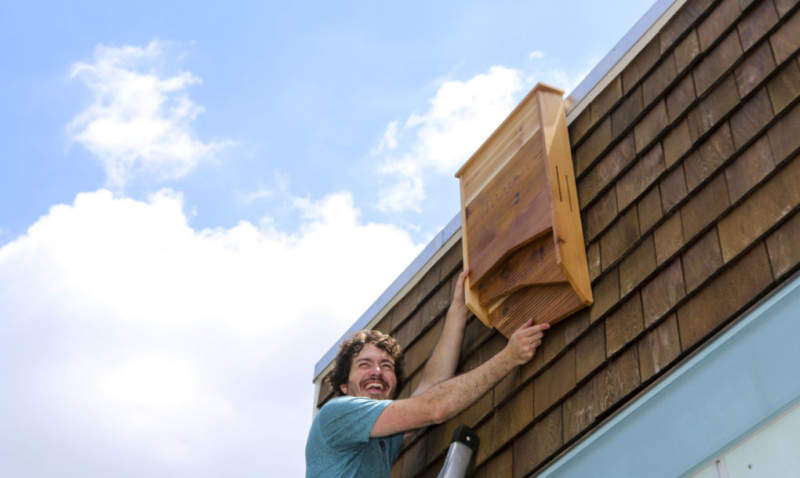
(464, 443)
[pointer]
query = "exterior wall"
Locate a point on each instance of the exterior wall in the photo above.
(717, 397)
(689, 186)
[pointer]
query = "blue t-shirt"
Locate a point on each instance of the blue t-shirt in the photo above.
(339, 444)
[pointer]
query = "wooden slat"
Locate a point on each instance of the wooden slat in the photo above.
(534, 263)
(545, 303)
(567, 221)
(501, 146)
(513, 209)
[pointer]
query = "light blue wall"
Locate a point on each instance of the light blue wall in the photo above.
(733, 385)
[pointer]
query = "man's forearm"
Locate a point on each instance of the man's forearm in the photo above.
(451, 396)
(443, 400)
(442, 363)
(446, 399)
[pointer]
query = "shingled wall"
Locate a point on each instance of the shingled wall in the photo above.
(689, 183)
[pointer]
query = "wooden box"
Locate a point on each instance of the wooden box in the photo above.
(521, 227)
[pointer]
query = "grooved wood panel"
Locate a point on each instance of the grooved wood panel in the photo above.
(545, 303)
(528, 265)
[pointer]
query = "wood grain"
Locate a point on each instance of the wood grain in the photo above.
(566, 212)
(534, 263)
(501, 146)
(522, 234)
(545, 303)
(510, 211)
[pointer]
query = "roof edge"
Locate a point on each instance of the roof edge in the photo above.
(618, 58)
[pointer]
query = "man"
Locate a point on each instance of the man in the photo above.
(360, 432)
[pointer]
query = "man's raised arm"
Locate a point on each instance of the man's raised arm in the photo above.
(446, 399)
(442, 363)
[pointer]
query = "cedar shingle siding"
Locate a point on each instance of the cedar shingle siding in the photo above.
(689, 184)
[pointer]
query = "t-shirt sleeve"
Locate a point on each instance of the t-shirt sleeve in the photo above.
(348, 421)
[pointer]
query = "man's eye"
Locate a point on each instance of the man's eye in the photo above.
(388, 366)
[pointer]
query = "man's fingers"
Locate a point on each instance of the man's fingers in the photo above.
(461, 278)
(533, 326)
(458, 292)
(529, 328)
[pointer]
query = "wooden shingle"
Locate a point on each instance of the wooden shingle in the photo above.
(756, 23)
(758, 213)
(726, 294)
(624, 324)
(724, 14)
(782, 246)
(785, 41)
(702, 259)
(754, 69)
(785, 86)
(662, 292)
(659, 347)
(750, 118)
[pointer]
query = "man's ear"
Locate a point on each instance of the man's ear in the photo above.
(343, 388)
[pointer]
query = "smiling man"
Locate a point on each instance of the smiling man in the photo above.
(360, 432)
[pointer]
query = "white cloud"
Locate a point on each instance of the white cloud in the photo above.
(460, 117)
(407, 193)
(261, 193)
(138, 122)
(281, 182)
(139, 343)
(389, 140)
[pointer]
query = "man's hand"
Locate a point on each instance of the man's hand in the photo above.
(523, 343)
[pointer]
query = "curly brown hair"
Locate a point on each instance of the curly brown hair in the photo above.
(351, 347)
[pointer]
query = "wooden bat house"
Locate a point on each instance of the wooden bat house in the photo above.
(521, 228)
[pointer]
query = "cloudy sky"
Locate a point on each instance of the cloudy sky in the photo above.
(197, 201)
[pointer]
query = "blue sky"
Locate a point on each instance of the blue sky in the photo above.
(196, 201)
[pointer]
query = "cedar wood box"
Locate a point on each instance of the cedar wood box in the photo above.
(520, 223)
(688, 178)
